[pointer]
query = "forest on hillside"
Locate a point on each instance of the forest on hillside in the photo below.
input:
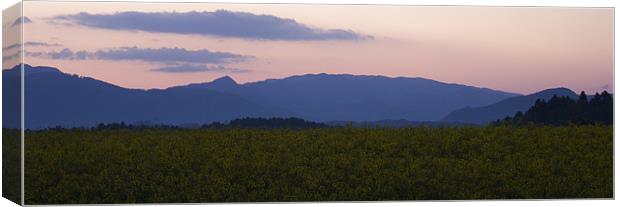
(562, 110)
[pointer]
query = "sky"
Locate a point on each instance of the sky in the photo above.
(158, 45)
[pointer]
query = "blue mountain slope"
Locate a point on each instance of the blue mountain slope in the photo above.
(507, 107)
(54, 98)
(327, 97)
(11, 99)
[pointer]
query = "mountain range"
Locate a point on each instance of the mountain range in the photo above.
(330, 97)
(54, 98)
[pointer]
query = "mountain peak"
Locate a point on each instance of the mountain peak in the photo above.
(29, 70)
(224, 80)
(557, 91)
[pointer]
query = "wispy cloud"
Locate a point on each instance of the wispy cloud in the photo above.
(12, 56)
(6, 56)
(221, 23)
(41, 44)
(172, 60)
(161, 55)
(191, 68)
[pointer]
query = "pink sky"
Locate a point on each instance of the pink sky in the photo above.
(516, 49)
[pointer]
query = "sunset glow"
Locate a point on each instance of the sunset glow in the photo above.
(515, 49)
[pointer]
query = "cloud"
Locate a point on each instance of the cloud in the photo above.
(7, 57)
(189, 68)
(171, 60)
(221, 23)
(41, 44)
(159, 55)
(21, 19)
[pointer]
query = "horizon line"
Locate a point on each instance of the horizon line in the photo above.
(291, 76)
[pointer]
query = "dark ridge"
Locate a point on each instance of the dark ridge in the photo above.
(563, 110)
(485, 114)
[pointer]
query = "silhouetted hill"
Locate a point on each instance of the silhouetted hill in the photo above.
(327, 97)
(564, 110)
(223, 82)
(507, 107)
(55, 98)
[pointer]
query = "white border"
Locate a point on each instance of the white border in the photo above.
(568, 3)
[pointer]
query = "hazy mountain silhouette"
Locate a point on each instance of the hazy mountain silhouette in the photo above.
(11, 100)
(54, 98)
(327, 97)
(507, 107)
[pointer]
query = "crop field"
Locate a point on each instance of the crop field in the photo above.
(11, 165)
(147, 165)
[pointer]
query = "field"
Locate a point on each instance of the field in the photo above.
(329, 164)
(11, 165)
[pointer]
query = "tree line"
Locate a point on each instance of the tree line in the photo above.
(289, 123)
(266, 123)
(563, 110)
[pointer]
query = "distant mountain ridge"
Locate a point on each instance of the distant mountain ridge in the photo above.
(59, 99)
(507, 107)
(328, 97)
(54, 98)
